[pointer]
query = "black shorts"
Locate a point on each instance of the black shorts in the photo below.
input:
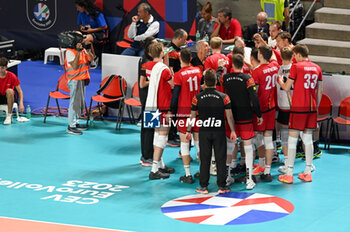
(98, 36)
(3, 100)
(283, 117)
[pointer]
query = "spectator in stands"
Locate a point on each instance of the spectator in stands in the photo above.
(226, 27)
(277, 10)
(261, 25)
(207, 22)
(143, 25)
(77, 66)
(8, 82)
(275, 28)
(202, 53)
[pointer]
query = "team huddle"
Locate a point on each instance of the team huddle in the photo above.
(244, 97)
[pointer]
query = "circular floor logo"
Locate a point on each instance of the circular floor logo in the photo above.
(231, 208)
(41, 12)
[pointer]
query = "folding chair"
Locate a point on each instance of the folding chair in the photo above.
(343, 118)
(324, 113)
(14, 107)
(59, 93)
(133, 101)
(113, 89)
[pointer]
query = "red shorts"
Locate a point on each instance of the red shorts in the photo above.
(302, 121)
(269, 119)
(243, 129)
(182, 127)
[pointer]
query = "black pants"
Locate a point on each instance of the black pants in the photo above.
(147, 134)
(208, 139)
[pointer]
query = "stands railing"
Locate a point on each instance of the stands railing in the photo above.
(304, 18)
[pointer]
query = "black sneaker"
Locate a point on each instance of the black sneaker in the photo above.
(173, 143)
(317, 151)
(243, 179)
(203, 190)
(158, 175)
(186, 179)
(167, 170)
(146, 162)
(266, 177)
(73, 131)
(225, 189)
(278, 145)
(196, 175)
(238, 169)
(81, 127)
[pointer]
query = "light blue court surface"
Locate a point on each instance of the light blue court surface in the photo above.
(45, 175)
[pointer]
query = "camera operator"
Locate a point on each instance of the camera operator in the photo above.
(77, 68)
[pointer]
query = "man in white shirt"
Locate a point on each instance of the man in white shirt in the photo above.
(143, 25)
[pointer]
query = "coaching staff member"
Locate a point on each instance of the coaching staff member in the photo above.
(212, 105)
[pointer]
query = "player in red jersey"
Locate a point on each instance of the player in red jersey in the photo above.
(212, 62)
(265, 77)
(240, 51)
(187, 84)
(159, 98)
(306, 77)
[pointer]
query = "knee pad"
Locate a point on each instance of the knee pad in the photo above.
(160, 140)
(268, 142)
(230, 146)
(196, 144)
(307, 139)
(284, 137)
(292, 142)
(259, 140)
(185, 149)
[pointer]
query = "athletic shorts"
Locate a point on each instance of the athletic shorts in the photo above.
(98, 36)
(269, 119)
(3, 100)
(283, 117)
(243, 129)
(182, 127)
(302, 121)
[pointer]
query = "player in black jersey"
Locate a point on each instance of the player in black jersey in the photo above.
(241, 89)
(212, 106)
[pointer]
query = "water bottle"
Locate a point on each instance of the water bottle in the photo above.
(91, 121)
(29, 112)
(198, 36)
(206, 38)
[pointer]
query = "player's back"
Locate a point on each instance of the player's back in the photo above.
(236, 86)
(266, 76)
(306, 76)
(189, 78)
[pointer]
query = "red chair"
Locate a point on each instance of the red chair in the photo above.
(126, 42)
(343, 117)
(58, 94)
(133, 101)
(113, 89)
(324, 113)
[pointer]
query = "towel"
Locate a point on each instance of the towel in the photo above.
(151, 102)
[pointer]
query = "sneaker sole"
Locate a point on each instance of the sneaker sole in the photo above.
(202, 192)
(172, 145)
(145, 164)
(73, 133)
(224, 191)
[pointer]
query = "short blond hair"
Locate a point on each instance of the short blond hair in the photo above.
(155, 49)
(215, 42)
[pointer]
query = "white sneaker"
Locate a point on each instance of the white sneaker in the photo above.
(250, 184)
(282, 169)
(229, 180)
(8, 120)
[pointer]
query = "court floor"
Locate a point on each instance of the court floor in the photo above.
(53, 181)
